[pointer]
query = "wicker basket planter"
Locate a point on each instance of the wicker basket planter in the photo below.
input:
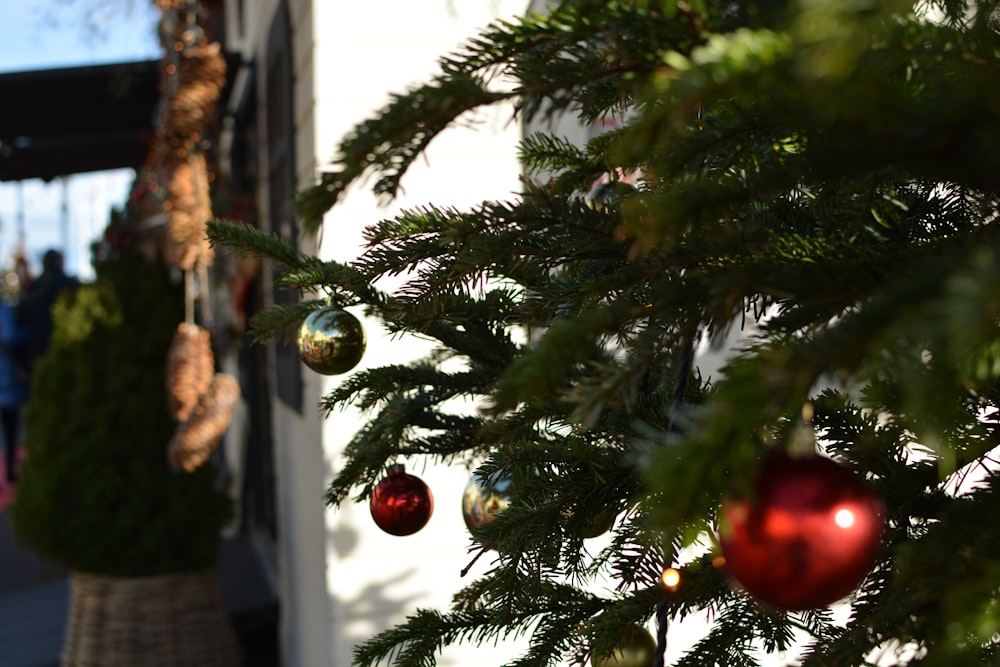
(169, 620)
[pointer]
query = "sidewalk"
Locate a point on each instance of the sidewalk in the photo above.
(33, 601)
(32, 623)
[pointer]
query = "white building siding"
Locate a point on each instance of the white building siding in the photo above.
(364, 51)
(343, 579)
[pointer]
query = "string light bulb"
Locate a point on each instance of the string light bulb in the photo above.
(671, 578)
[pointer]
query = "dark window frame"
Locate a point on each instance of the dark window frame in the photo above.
(280, 126)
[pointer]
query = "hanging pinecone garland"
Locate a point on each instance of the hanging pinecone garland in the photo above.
(200, 76)
(190, 366)
(197, 438)
(194, 74)
(189, 207)
(197, 81)
(192, 79)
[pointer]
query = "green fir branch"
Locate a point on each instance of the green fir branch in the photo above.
(247, 240)
(281, 321)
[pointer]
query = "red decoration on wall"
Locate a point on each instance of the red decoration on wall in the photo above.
(808, 536)
(401, 504)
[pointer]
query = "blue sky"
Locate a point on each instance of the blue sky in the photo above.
(45, 34)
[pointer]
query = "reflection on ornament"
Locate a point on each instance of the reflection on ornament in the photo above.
(808, 536)
(636, 648)
(331, 341)
(607, 195)
(484, 498)
(401, 504)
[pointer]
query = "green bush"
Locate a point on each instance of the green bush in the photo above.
(96, 493)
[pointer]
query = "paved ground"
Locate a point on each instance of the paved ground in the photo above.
(33, 601)
(19, 567)
(31, 625)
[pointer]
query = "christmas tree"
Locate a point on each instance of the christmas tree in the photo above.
(810, 188)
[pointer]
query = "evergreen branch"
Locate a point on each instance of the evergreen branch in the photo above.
(366, 389)
(399, 429)
(562, 350)
(734, 635)
(540, 152)
(250, 241)
(389, 143)
(883, 145)
(417, 641)
(281, 320)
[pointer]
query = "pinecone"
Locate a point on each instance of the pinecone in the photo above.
(176, 158)
(190, 365)
(196, 439)
(190, 208)
(200, 78)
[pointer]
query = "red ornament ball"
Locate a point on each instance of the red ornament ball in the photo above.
(808, 536)
(401, 504)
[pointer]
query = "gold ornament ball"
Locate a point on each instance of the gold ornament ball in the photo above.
(636, 648)
(484, 498)
(595, 526)
(598, 524)
(331, 341)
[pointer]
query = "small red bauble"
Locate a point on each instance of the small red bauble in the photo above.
(401, 504)
(807, 538)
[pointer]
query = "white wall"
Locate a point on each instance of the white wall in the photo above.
(362, 52)
(301, 473)
(343, 579)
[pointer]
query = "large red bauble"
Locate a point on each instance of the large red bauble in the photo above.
(401, 504)
(806, 538)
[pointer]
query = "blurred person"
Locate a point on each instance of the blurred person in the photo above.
(13, 386)
(35, 308)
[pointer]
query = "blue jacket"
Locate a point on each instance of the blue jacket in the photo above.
(13, 384)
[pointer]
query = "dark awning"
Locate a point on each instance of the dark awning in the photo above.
(59, 122)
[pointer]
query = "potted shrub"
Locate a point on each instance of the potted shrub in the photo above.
(97, 496)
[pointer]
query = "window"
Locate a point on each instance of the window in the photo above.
(281, 184)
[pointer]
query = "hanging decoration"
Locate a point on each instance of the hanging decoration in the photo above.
(636, 648)
(401, 504)
(190, 367)
(807, 537)
(331, 341)
(198, 436)
(607, 195)
(483, 498)
(188, 209)
(594, 526)
(193, 76)
(598, 524)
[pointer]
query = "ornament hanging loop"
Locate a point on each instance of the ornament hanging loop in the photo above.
(801, 440)
(196, 292)
(190, 294)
